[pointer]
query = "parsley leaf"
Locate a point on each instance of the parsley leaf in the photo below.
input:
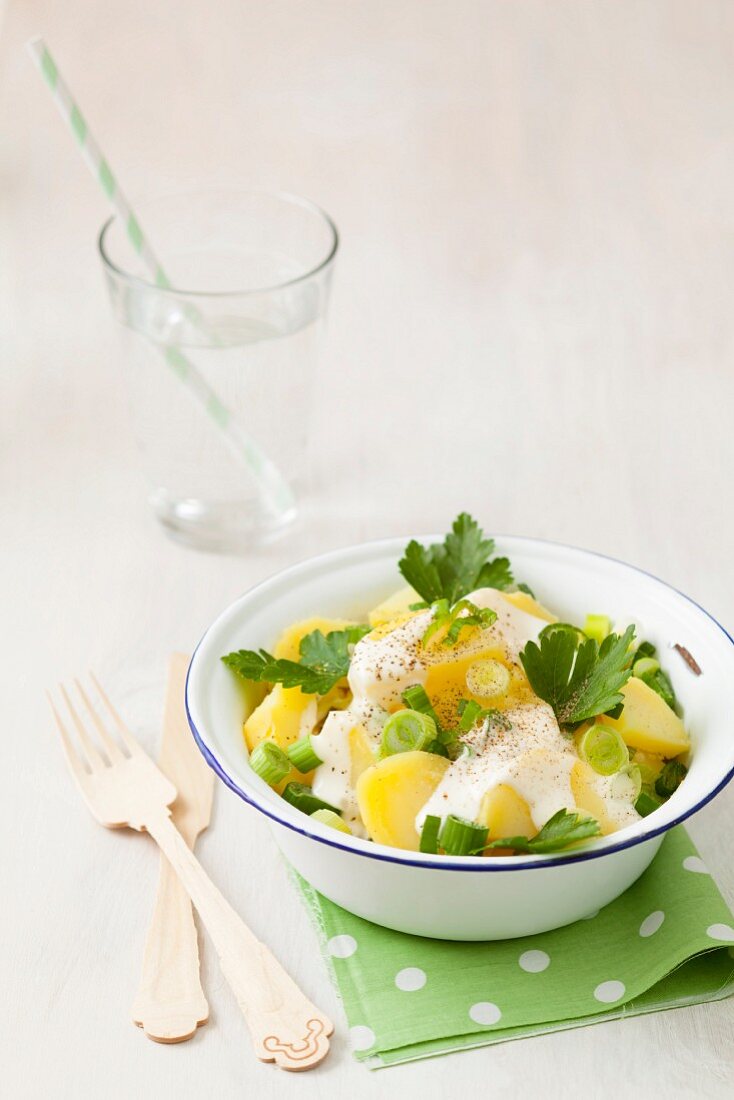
(455, 567)
(324, 661)
(559, 831)
(579, 679)
(454, 621)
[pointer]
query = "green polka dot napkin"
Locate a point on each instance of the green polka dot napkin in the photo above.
(668, 941)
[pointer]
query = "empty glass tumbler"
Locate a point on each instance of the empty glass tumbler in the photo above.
(220, 350)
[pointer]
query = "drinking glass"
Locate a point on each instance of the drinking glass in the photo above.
(239, 311)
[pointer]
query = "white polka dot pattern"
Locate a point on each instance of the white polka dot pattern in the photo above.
(723, 932)
(341, 947)
(651, 924)
(410, 979)
(696, 864)
(534, 961)
(609, 992)
(485, 1012)
(362, 1038)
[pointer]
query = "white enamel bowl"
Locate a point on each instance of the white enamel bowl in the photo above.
(468, 898)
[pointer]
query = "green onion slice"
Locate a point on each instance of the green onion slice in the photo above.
(303, 798)
(302, 755)
(488, 679)
(269, 762)
(597, 627)
(469, 713)
(604, 750)
(563, 628)
(332, 819)
(671, 776)
(646, 803)
(407, 731)
(416, 698)
(429, 834)
(460, 837)
(645, 666)
(645, 649)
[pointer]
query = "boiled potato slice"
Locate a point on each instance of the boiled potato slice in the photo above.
(361, 752)
(283, 716)
(506, 813)
(583, 779)
(446, 685)
(287, 646)
(391, 793)
(648, 723)
(525, 602)
(394, 606)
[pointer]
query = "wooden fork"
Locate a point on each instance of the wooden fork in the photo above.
(123, 787)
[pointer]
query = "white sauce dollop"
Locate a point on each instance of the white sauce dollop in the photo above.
(532, 756)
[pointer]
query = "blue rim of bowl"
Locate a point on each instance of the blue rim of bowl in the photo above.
(516, 863)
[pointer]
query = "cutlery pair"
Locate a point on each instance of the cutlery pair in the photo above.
(123, 787)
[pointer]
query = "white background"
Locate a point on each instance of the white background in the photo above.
(531, 320)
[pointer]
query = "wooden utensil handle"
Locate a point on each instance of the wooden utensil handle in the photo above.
(285, 1027)
(170, 1003)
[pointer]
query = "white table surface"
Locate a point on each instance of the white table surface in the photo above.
(531, 320)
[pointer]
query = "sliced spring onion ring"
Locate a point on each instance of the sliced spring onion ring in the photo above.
(416, 698)
(645, 666)
(646, 803)
(460, 837)
(328, 817)
(302, 755)
(429, 834)
(603, 749)
(303, 798)
(564, 628)
(407, 731)
(488, 679)
(269, 762)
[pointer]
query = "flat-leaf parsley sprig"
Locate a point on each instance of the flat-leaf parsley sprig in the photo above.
(579, 678)
(463, 615)
(457, 566)
(324, 661)
(559, 831)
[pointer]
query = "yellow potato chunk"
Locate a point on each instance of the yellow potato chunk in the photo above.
(283, 716)
(648, 723)
(525, 602)
(446, 684)
(287, 646)
(391, 793)
(650, 762)
(361, 752)
(394, 606)
(583, 778)
(506, 813)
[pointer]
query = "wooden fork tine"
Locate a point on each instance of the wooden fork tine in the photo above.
(92, 753)
(72, 756)
(124, 732)
(112, 748)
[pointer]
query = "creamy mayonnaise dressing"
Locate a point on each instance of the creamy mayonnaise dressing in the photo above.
(383, 667)
(619, 794)
(332, 780)
(532, 755)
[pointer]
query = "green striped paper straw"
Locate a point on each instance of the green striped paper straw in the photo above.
(274, 490)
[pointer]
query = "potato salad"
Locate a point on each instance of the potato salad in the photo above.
(462, 718)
